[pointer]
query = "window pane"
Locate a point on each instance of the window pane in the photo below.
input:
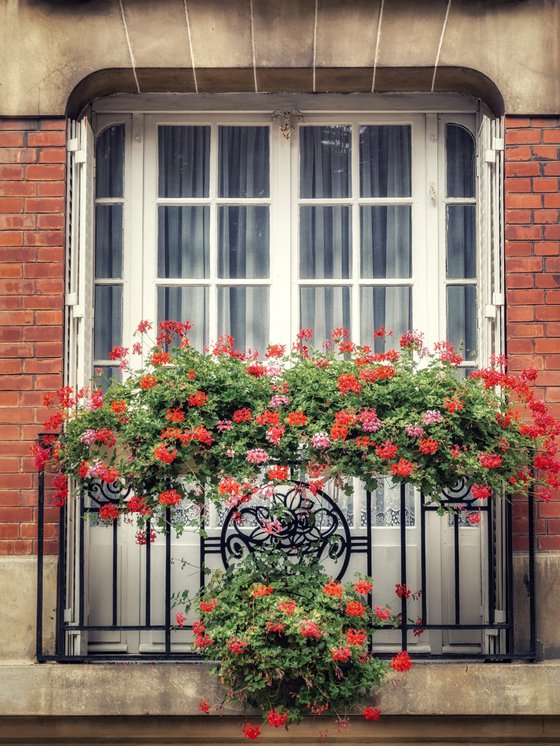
(108, 241)
(107, 331)
(324, 309)
(386, 236)
(385, 153)
(109, 162)
(461, 319)
(461, 241)
(390, 307)
(243, 247)
(243, 313)
(459, 148)
(244, 162)
(184, 157)
(325, 243)
(186, 304)
(105, 375)
(183, 241)
(325, 157)
(386, 507)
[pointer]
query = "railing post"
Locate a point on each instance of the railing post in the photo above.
(40, 563)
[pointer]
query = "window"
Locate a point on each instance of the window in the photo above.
(359, 219)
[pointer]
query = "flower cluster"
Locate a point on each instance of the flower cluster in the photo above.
(290, 641)
(232, 424)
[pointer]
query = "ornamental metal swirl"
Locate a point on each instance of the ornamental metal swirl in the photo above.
(289, 518)
(102, 492)
(459, 492)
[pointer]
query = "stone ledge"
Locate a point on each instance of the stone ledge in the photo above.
(90, 690)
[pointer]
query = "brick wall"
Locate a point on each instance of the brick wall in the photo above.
(532, 203)
(32, 196)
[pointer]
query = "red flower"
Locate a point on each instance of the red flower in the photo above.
(198, 628)
(204, 707)
(490, 460)
(347, 382)
(310, 629)
(401, 662)
(341, 654)
(175, 415)
(256, 370)
(279, 473)
(275, 351)
(241, 415)
(401, 590)
(387, 450)
(180, 619)
(275, 627)
(333, 589)
(202, 641)
(356, 636)
(403, 468)
(147, 382)
(118, 406)
(371, 713)
(339, 432)
(268, 418)
(109, 512)
(169, 497)
(160, 358)
(236, 646)
(480, 491)
(288, 607)
(363, 587)
(198, 399)
(165, 454)
(274, 718)
(473, 519)
(355, 608)
(118, 353)
(261, 590)
(207, 606)
(428, 445)
(252, 732)
(296, 418)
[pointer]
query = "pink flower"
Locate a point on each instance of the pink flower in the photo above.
(473, 519)
(272, 528)
(279, 400)
(370, 421)
(414, 431)
(144, 326)
(320, 440)
(431, 417)
(180, 619)
(381, 613)
(257, 456)
(88, 437)
(224, 425)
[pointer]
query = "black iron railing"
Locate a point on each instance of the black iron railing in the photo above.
(458, 611)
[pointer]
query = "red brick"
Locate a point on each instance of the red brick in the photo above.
(16, 287)
(551, 121)
(42, 333)
(553, 265)
(521, 347)
(523, 201)
(518, 154)
(53, 124)
(9, 531)
(52, 155)
(41, 301)
(17, 189)
(523, 168)
(551, 169)
(9, 173)
(552, 231)
(10, 367)
(529, 264)
(45, 172)
(48, 286)
(552, 135)
(548, 542)
(518, 185)
(18, 155)
(518, 216)
(44, 204)
(10, 204)
(11, 302)
(547, 313)
(15, 222)
(51, 221)
(11, 238)
(528, 232)
(520, 280)
(12, 140)
(523, 136)
(520, 313)
(552, 362)
(545, 152)
(48, 349)
(42, 139)
(51, 189)
(547, 345)
(548, 248)
(44, 238)
(545, 184)
(51, 254)
(42, 366)
(43, 269)
(11, 270)
(547, 281)
(519, 248)
(517, 122)
(10, 334)
(545, 216)
(552, 200)
(48, 318)
(525, 330)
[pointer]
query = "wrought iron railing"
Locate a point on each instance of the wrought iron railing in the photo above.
(439, 617)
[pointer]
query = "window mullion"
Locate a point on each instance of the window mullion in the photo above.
(355, 316)
(213, 192)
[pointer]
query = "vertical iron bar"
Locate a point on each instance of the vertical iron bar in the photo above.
(148, 584)
(423, 558)
(404, 601)
(492, 555)
(81, 589)
(457, 569)
(167, 581)
(532, 575)
(61, 581)
(40, 539)
(202, 548)
(510, 645)
(115, 584)
(369, 553)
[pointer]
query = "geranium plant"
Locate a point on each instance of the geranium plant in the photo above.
(290, 641)
(221, 425)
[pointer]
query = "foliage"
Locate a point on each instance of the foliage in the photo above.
(290, 641)
(223, 424)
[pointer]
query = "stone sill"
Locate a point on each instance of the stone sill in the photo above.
(436, 689)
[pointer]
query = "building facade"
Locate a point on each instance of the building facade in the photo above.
(248, 130)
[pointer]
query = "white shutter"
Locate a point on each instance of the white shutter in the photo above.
(490, 235)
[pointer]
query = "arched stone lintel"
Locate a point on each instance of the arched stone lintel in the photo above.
(460, 80)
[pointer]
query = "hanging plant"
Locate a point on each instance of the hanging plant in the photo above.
(290, 641)
(220, 426)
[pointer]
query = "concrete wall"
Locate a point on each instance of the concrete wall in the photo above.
(48, 47)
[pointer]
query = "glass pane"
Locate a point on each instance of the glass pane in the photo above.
(243, 245)
(385, 241)
(108, 241)
(386, 505)
(183, 241)
(390, 307)
(244, 162)
(243, 312)
(105, 375)
(184, 157)
(325, 158)
(107, 332)
(459, 148)
(186, 304)
(325, 240)
(461, 319)
(385, 153)
(109, 162)
(324, 309)
(461, 241)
